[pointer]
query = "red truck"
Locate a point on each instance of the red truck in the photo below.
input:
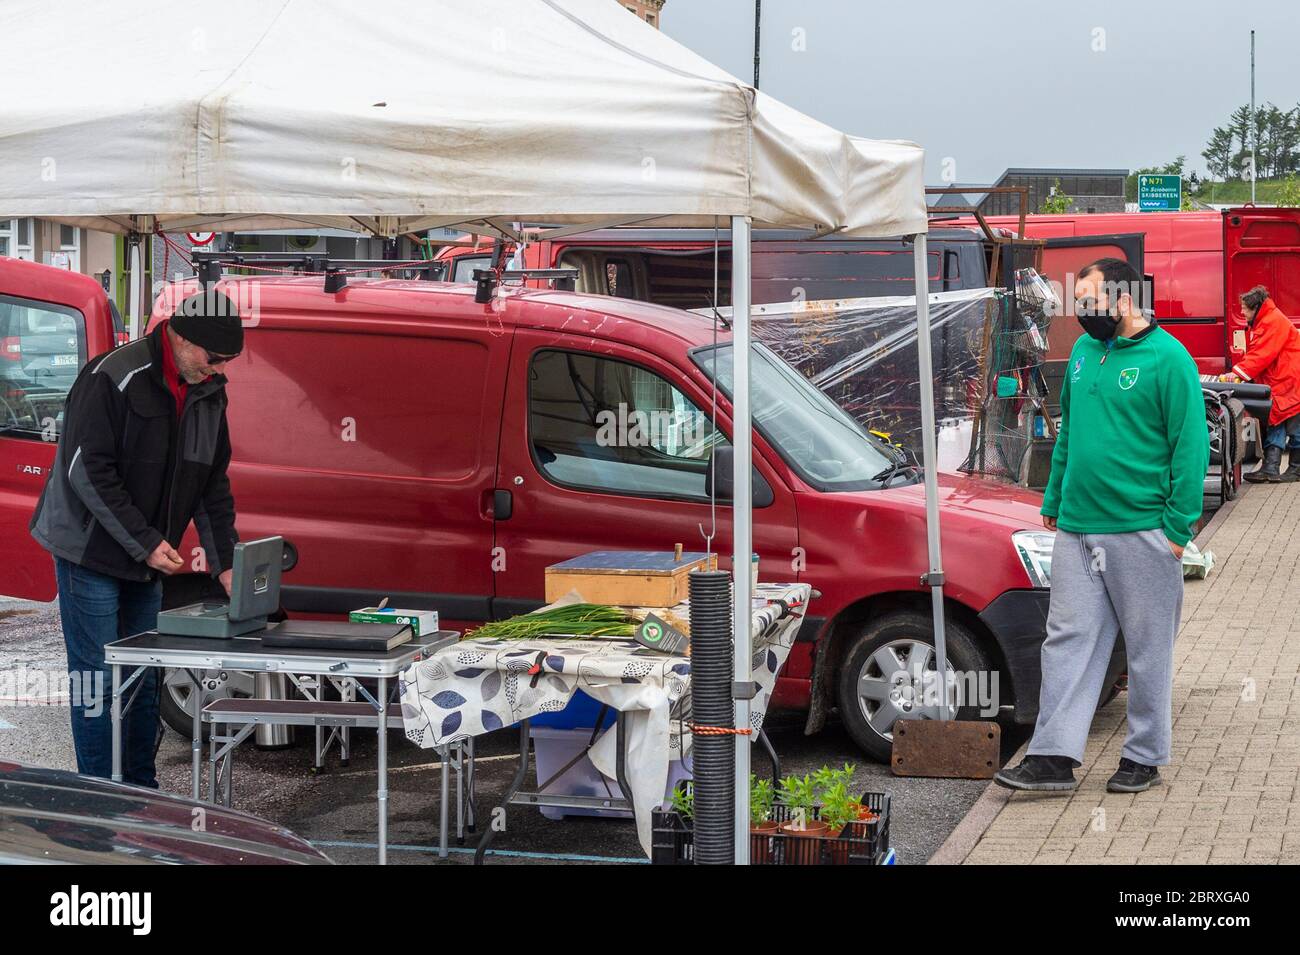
(411, 443)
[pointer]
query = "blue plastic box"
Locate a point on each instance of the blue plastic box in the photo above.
(581, 712)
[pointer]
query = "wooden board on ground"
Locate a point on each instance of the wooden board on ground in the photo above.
(949, 749)
(628, 578)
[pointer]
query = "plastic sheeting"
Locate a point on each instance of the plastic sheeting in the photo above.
(862, 353)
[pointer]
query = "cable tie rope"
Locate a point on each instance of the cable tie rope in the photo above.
(700, 730)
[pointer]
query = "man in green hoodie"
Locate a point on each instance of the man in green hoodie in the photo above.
(1124, 494)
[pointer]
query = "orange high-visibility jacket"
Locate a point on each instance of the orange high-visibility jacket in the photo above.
(1273, 359)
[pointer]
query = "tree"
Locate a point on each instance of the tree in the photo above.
(1272, 125)
(1288, 141)
(1240, 127)
(1288, 194)
(1274, 133)
(1056, 202)
(1218, 153)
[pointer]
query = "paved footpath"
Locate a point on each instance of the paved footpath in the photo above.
(1230, 794)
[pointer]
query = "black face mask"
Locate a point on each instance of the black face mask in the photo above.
(1100, 324)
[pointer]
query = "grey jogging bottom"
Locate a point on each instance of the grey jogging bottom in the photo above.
(1102, 585)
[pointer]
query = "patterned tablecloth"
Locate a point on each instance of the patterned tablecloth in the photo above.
(480, 685)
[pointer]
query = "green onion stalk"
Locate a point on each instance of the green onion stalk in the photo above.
(572, 620)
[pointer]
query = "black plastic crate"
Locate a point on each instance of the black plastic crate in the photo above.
(861, 843)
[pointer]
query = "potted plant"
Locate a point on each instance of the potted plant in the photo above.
(825, 778)
(839, 808)
(683, 801)
(762, 826)
(802, 831)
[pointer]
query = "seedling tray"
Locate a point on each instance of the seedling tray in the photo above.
(860, 843)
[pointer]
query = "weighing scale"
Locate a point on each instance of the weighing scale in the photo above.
(254, 594)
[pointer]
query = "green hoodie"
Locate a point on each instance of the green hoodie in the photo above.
(1134, 447)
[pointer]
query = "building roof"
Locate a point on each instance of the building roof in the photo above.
(1059, 171)
(969, 200)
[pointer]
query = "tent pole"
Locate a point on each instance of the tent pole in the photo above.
(146, 281)
(135, 286)
(741, 530)
(929, 460)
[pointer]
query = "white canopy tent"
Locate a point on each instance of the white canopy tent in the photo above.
(258, 114)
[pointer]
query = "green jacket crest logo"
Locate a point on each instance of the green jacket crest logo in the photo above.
(1128, 378)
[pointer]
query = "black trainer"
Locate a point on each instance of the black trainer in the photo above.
(1040, 774)
(1133, 777)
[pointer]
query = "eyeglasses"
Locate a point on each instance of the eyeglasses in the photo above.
(213, 359)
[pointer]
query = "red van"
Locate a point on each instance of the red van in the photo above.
(413, 444)
(675, 266)
(1199, 262)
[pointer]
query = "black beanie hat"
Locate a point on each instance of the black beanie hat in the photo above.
(210, 320)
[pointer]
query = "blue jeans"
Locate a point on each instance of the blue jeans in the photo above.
(98, 609)
(1284, 435)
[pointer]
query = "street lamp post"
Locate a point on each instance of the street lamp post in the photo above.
(1254, 127)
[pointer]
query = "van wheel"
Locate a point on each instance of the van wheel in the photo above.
(881, 679)
(179, 698)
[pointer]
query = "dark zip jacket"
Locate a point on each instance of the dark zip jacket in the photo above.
(128, 473)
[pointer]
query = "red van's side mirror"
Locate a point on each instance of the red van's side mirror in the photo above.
(721, 463)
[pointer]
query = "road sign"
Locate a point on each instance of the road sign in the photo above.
(200, 238)
(1160, 193)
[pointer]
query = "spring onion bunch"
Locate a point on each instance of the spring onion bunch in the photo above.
(574, 620)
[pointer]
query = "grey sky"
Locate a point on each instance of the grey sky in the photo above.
(1011, 83)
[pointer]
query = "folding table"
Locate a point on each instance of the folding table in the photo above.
(248, 654)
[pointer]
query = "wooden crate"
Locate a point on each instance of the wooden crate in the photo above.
(627, 578)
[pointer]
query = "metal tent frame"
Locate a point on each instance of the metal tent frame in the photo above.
(742, 502)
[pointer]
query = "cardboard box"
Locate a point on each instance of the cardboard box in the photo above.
(627, 578)
(420, 621)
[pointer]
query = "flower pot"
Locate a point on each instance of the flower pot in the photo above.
(862, 833)
(836, 848)
(760, 841)
(803, 844)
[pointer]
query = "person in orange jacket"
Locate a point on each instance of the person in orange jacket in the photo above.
(1273, 358)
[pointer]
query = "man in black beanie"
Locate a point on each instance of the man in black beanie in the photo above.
(143, 451)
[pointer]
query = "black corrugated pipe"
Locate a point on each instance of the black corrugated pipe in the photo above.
(714, 756)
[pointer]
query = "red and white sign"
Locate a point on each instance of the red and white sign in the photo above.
(200, 238)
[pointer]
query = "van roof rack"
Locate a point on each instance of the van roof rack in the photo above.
(209, 266)
(485, 280)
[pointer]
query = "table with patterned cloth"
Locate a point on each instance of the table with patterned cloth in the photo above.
(480, 685)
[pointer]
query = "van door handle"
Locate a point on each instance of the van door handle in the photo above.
(503, 504)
